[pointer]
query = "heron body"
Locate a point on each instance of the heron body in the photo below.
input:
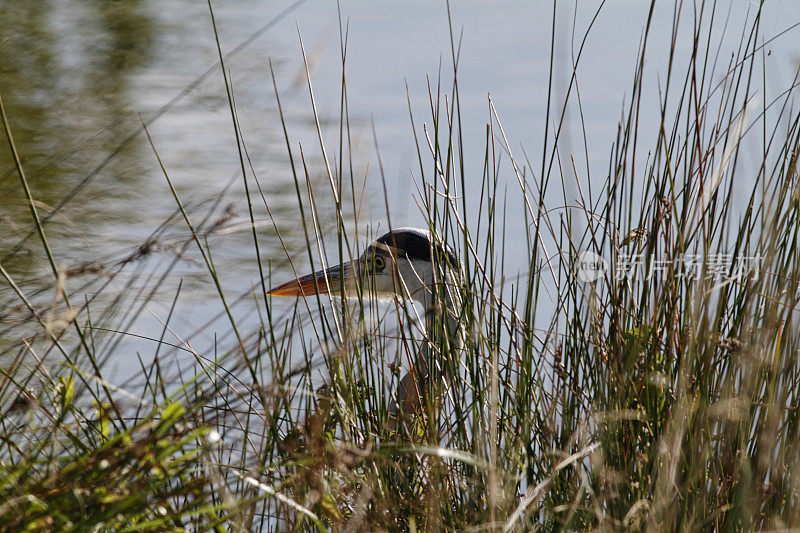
(405, 263)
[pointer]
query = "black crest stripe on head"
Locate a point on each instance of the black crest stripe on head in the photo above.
(414, 245)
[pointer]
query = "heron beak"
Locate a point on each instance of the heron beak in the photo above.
(328, 281)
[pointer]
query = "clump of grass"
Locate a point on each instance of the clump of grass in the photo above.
(72, 472)
(662, 397)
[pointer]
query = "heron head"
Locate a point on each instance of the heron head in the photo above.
(400, 262)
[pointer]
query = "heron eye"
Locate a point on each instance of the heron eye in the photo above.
(379, 262)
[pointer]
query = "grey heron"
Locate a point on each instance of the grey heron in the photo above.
(407, 263)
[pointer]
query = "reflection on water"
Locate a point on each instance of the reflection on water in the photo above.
(75, 76)
(65, 83)
(64, 74)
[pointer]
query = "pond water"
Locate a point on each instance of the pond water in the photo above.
(78, 78)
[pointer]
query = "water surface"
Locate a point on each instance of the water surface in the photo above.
(79, 78)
